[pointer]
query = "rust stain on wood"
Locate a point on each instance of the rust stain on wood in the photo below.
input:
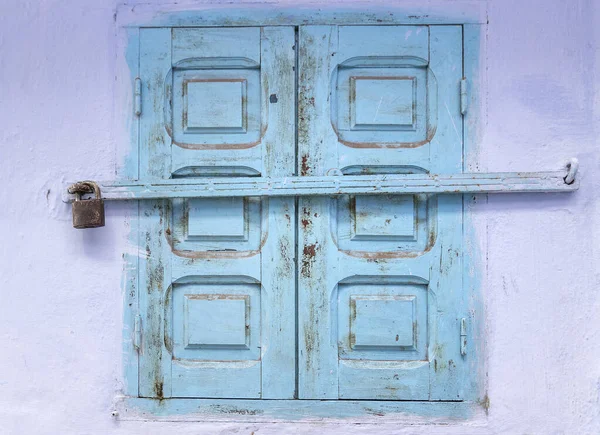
(305, 169)
(308, 258)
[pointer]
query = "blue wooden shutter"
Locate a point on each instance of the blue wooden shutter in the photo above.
(379, 278)
(380, 292)
(216, 278)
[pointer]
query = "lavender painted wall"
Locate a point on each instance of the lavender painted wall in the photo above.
(61, 310)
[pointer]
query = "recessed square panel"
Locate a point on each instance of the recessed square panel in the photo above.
(216, 321)
(384, 107)
(383, 321)
(384, 217)
(217, 218)
(215, 227)
(386, 226)
(383, 102)
(213, 108)
(215, 105)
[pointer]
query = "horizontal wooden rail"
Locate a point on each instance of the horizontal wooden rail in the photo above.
(397, 184)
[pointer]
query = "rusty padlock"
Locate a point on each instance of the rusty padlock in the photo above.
(87, 213)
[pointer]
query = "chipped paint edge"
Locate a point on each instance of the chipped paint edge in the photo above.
(127, 124)
(342, 411)
(361, 12)
(474, 250)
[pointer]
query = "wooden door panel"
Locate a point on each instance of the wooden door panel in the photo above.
(379, 286)
(220, 300)
(216, 334)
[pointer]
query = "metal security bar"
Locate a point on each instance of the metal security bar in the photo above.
(495, 182)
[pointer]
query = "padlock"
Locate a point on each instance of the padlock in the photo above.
(87, 213)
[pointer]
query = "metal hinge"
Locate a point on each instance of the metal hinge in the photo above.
(137, 332)
(463, 336)
(137, 97)
(463, 96)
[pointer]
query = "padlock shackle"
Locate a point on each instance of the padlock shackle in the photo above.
(86, 186)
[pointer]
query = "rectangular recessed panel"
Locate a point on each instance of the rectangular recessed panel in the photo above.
(211, 105)
(217, 226)
(383, 102)
(386, 217)
(383, 321)
(216, 321)
(215, 105)
(379, 105)
(218, 218)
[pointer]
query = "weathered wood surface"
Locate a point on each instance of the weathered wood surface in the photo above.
(493, 182)
(216, 282)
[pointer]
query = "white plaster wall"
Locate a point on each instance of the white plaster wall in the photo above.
(61, 301)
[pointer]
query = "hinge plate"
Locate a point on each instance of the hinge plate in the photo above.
(137, 96)
(463, 336)
(137, 332)
(463, 96)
